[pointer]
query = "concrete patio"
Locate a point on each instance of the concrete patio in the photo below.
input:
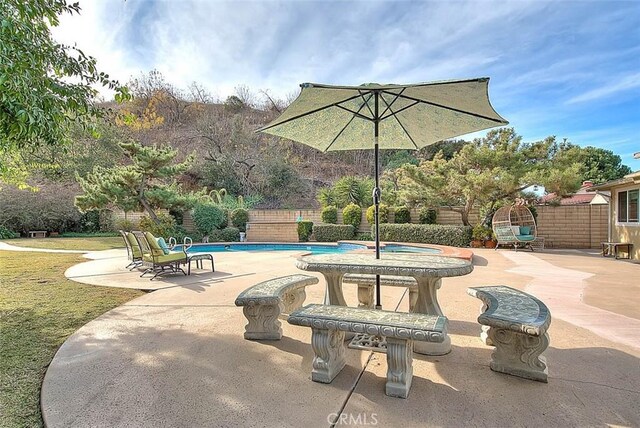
(176, 356)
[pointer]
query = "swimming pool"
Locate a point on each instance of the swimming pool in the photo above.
(313, 248)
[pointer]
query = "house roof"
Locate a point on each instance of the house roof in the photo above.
(634, 177)
(578, 198)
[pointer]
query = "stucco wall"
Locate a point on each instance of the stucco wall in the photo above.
(624, 232)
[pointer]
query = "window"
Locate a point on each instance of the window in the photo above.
(629, 206)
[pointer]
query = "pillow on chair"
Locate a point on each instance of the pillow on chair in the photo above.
(525, 230)
(163, 245)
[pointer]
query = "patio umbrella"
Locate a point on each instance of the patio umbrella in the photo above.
(379, 116)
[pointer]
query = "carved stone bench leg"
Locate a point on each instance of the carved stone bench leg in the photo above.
(365, 296)
(399, 367)
(263, 322)
(518, 354)
(329, 359)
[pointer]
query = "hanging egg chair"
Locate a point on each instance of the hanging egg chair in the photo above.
(514, 225)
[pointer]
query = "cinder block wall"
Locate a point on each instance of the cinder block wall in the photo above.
(573, 226)
(576, 226)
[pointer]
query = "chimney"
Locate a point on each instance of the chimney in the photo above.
(587, 183)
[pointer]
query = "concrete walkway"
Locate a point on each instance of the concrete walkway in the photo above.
(176, 357)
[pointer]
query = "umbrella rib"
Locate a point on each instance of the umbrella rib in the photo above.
(264, 128)
(389, 105)
(345, 127)
(393, 113)
(355, 113)
(450, 108)
(402, 126)
(366, 102)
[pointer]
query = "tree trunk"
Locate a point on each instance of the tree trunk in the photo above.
(148, 209)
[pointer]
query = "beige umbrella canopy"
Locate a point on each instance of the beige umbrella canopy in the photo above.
(385, 117)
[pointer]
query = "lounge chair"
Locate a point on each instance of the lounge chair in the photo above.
(134, 254)
(154, 257)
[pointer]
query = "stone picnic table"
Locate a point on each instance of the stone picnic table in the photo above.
(427, 270)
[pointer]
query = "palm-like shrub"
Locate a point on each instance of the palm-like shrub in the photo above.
(353, 190)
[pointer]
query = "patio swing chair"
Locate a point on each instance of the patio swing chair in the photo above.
(515, 225)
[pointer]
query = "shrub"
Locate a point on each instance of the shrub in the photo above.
(51, 208)
(456, 236)
(208, 217)
(125, 224)
(428, 215)
(401, 215)
(383, 214)
(164, 228)
(352, 214)
(305, 228)
(480, 232)
(239, 219)
(90, 222)
(329, 214)
(228, 234)
(7, 234)
(333, 232)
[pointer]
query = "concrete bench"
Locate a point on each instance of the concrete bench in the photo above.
(329, 324)
(516, 324)
(265, 302)
(37, 234)
(366, 287)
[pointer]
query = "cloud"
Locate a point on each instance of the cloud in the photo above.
(557, 68)
(615, 86)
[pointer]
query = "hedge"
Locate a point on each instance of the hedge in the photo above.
(305, 228)
(333, 232)
(228, 234)
(456, 236)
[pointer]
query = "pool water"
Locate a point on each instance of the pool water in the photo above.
(314, 249)
(391, 248)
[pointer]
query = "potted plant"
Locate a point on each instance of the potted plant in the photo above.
(478, 235)
(491, 241)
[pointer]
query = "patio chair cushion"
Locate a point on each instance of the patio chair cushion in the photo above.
(134, 245)
(525, 230)
(171, 257)
(515, 230)
(162, 244)
(153, 244)
(525, 237)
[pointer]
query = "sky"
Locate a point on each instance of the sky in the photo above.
(564, 68)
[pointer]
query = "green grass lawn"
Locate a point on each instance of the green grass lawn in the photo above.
(92, 244)
(39, 309)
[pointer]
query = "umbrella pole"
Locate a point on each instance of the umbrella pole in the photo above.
(376, 194)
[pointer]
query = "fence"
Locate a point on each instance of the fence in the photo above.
(573, 226)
